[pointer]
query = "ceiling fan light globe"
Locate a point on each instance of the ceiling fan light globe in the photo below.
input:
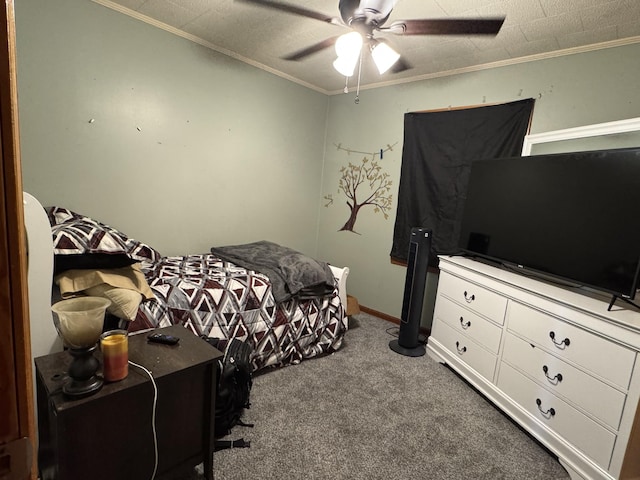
(384, 57)
(349, 45)
(345, 65)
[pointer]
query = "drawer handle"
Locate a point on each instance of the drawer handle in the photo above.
(464, 324)
(556, 379)
(548, 413)
(562, 344)
(469, 298)
(460, 350)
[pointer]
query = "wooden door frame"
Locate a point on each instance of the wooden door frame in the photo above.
(16, 369)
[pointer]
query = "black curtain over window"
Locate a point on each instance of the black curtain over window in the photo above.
(438, 150)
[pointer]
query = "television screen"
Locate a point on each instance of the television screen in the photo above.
(573, 216)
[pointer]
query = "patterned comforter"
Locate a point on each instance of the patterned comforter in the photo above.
(219, 299)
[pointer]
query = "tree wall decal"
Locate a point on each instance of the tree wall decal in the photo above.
(364, 184)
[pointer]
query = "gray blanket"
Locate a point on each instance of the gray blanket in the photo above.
(291, 273)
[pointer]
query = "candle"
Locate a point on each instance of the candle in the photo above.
(115, 353)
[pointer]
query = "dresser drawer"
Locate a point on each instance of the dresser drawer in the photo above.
(594, 440)
(468, 323)
(569, 382)
(476, 298)
(609, 360)
(468, 351)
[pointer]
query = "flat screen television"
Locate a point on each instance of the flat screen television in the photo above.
(572, 217)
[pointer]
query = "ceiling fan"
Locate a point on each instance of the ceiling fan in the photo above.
(366, 17)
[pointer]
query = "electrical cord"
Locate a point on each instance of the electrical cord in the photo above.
(395, 332)
(153, 417)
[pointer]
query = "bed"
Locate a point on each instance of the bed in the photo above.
(208, 295)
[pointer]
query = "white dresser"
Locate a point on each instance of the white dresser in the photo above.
(552, 358)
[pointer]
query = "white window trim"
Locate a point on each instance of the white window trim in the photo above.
(608, 128)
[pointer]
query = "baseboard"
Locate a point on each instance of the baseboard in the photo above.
(381, 315)
(390, 318)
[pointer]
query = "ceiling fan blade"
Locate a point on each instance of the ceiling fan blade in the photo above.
(461, 26)
(295, 9)
(400, 66)
(305, 52)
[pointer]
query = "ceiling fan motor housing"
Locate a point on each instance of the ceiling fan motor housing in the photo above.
(369, 13)
(368, 16)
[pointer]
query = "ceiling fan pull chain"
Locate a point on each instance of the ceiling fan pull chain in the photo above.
(346, 85)
(357, 100)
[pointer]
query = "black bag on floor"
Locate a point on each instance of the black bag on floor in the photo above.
(232, 391)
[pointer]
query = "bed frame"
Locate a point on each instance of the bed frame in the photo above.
(44, 336)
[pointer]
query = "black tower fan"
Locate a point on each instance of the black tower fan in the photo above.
(407, 342)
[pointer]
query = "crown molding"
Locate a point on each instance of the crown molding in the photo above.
(417, 78)
(503, 63)
(204, 43)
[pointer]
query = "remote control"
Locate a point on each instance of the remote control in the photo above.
(160, 338)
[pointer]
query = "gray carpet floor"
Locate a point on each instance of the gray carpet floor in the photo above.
(366, 412)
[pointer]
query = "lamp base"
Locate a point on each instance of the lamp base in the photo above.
(82, 373)
(80, 388)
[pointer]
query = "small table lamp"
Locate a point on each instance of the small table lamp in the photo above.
(80, 323)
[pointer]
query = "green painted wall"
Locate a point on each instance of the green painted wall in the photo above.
(185, 148)
(174, 144)
(570, 91)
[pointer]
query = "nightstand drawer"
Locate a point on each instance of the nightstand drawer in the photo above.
(562, 379)
(474, 297)
(594, 440)
(469, 352)
(468, 323)
(610, 361)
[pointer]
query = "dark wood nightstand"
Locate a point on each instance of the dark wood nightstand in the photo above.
(109, 435)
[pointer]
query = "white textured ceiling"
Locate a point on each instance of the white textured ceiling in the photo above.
(532, 29)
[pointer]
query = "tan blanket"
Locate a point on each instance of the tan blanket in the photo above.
(125, 287)
(73, 282)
